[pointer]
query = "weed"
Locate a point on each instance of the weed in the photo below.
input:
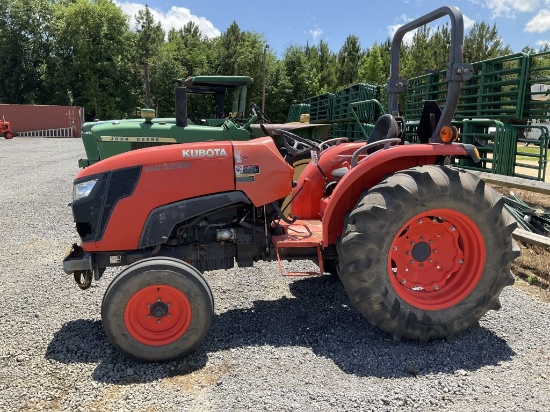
(532, 279)
(411, 370)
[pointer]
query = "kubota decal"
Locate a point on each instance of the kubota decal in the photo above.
(247, 169)
(245, 178)
(204, 153)
(246, 173)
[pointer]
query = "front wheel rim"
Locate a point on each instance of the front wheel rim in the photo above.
(436, 259)
(157, 315)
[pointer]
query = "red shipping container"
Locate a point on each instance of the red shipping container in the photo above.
(29, 117)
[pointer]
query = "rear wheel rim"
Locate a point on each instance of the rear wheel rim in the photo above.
(436, 259)
(157, 315)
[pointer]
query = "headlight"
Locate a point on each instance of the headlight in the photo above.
(83, 189)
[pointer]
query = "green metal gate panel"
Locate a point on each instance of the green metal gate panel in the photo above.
(537, 90)
(368, 111)
(496, 91)
(320, 108)
(497, 144)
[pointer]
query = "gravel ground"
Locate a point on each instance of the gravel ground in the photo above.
(275, 343)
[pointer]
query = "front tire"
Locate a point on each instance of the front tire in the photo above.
(157, 309)
(8, 135)
(426, 253)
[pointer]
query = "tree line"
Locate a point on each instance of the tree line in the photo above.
(84, 53)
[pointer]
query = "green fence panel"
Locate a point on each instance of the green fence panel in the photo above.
(501, 150)
(525, 157)
(352, 130)
(496, 91)
(320, 108)
(482, 134)
(368, 111)
(537, 90)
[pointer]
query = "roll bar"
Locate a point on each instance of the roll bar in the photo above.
(457, 71)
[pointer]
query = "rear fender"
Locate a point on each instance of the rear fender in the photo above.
(373, 169)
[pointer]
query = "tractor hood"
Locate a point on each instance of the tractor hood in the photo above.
(214, 166)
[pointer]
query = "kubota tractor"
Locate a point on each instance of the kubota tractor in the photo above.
(423, 249)
(5, 129)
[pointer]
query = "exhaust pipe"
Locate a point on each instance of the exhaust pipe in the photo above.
(181, 104)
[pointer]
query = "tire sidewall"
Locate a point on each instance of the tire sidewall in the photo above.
(151, 272)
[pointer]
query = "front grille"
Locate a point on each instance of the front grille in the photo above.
(144, 145)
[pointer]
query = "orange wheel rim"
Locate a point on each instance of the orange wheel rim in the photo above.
(157, 315)
(436, 259)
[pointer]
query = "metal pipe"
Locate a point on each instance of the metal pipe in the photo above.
(181, 106)
(263, 79)
(147, 84)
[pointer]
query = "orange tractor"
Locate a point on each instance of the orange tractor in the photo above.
(5, 129)
(423, 249)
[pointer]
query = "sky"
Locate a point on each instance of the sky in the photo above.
(285, 22)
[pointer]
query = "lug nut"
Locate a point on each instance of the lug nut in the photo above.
(452, 228)
(438, 267)
(412, 262)
(148, 305)
(422, 265)
(148, 316)
(419, 221)
(403, 281)
(158, 320)
(395, 248)
(460, 261)
(436, 287)
(158, 299)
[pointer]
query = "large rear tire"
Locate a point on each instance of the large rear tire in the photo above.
(157, 309)
(426, 253)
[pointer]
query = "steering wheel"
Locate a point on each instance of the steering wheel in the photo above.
(259, 113)
(295, 144)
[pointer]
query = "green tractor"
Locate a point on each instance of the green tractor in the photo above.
(103, 139)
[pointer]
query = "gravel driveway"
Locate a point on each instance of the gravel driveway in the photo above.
(275, 343)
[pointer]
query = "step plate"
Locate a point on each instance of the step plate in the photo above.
(302, 233)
